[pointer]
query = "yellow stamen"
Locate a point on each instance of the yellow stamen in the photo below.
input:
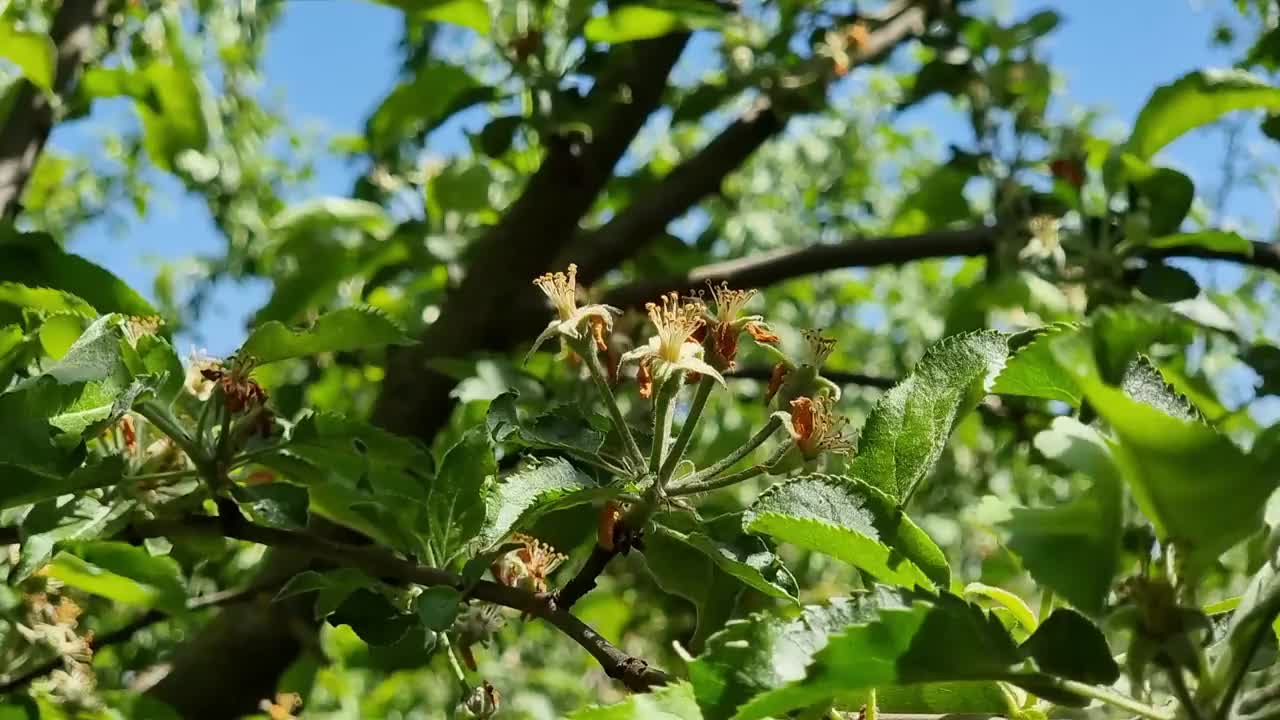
(729, 303)
(675, 321)
(562, 290)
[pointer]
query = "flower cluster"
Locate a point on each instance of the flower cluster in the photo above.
(55, 626)
(240, 392)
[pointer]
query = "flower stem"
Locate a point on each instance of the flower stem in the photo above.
(588, 352)
(673, 459)
(664, 408)
(694, 488)
(454, 665)
(162, 419)
(742, 451)
(1112, 698)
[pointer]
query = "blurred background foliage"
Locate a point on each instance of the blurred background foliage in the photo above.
(202, 118)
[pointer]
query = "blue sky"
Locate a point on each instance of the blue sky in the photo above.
(331, 61)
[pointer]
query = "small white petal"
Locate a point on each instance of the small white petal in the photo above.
(697, 365)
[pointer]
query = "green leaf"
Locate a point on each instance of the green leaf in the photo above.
(341, 330)
(1143, 382)
(1195, 486)
(765, 652)
(373, 617)
(1168, 194)
(34, 54)
(1259, 607)
(50, 524)
(746, 559)
(905, 434)
(1167, 284)
(930, 640)
(693, 576)
(21, 484)
(1194, 100)
(536, 488)
(1069, 646)
(1074, 549)
(332, 588)
(455, 501)
(938, 202)
(438, 606)
(671, 702)
(36, 260)
(1222, 241)
(1011, 602)
(45, 301)
(851, 521)
(641, 21)
(472, 14)
(1032, 370)
(321, 215)
(123, 573)
(57, 333)
(277, 504)
(419, 105)
(499, 134)
(172, 114)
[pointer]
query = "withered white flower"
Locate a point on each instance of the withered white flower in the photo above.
(672, 349)
(562, 290)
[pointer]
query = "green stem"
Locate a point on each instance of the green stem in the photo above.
(700, 396)
(664, 408)
(872, 711)
(1112, 698)
(161, 418)
(165, 475)
(454, 665)
(588, 353)
(694, 488)
(1179, 684)
(742, 451)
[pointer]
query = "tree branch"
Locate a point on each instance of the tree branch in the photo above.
(30, 119)
(414, 399)
(603, 249)
(839, 377)
(773, 267)
(633, 672)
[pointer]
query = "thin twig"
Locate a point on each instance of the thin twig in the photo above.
(633, 672)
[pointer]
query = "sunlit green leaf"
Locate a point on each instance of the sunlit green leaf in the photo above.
(534, 489)
(338, 331)
(123, 573)
(1197, 99)
(641, 21)
(34, 53)
(455, 499)
(672, 702)
(35, 260)
(1032, 371)
(1222, 241)
(853, 522)
(1074, 548)
(909, 426)
(419, 105)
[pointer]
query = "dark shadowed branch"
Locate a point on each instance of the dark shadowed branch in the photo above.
(766, 269)
(633, 672)
(700, 176)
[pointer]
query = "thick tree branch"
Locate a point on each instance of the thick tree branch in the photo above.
(773, 267)
(30, 118)
(633, 672)
(701, 175)
(414, 399)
